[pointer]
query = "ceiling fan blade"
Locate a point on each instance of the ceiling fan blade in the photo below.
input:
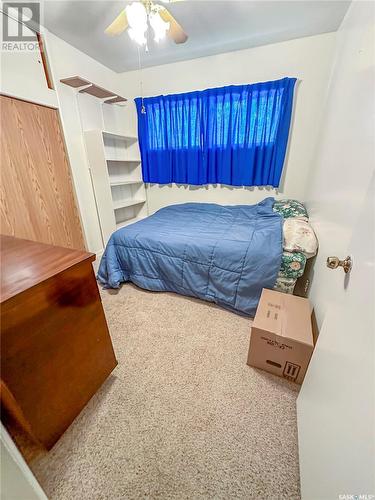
(119, 25)
(175, 30)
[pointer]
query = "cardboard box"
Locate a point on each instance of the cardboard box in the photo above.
(281, 339)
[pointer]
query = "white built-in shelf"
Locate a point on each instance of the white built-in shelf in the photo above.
(124, 183)
(128, 221)
(107, 134)
(123, 160)
(115, 135)
(115, 167)
(127, 203)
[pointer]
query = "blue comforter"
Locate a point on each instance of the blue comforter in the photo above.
(223, 254)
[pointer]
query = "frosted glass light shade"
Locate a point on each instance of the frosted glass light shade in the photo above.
(159, 26)
(137, 19)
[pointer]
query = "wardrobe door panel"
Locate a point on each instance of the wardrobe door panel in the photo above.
(37, 197)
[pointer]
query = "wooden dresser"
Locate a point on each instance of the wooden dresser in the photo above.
(55, 346)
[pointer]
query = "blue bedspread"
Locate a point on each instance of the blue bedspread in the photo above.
(223, 254)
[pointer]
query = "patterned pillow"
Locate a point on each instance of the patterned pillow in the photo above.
(290, 208)
(285, 285)
(292, 265)
(299, 236)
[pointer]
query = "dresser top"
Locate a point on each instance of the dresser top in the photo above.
(26, 263)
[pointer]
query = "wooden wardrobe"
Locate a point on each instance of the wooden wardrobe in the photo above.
(37, 199)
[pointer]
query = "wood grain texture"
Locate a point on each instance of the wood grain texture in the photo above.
(97, 91)
(43, 56)
(75, 81)
(26, 263)
(55, 346)
(36, 194)
(115, 100)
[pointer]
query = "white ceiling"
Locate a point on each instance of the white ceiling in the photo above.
(213, 27)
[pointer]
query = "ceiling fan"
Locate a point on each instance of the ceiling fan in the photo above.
(141, 15)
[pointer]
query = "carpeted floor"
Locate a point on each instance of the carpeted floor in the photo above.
(182, 416)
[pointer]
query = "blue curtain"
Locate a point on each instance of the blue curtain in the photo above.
(234, 135)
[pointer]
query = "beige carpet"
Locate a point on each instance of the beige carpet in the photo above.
(182, 416)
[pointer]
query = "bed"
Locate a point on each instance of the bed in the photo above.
(223, 254)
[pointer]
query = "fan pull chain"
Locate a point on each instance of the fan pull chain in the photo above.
(148, 29)
(143, 108)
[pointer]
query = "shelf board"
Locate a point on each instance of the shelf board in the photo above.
(93, 89)
(115, 135)
(97, 91)
(127, 203)
(75, 82)
(115, 100)
(127, 222)
(125, 183)
(133, 160)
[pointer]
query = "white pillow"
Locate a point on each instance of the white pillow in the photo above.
(299, 236)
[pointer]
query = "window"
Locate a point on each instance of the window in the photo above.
(234, 135)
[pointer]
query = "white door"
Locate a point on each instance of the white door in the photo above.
(336, 404)
(16, 479)
(336, 407)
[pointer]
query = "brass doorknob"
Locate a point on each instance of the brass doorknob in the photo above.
(335, 262)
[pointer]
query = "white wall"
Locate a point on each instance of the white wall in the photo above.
(344, 160)
(308, 59)
(22, 74)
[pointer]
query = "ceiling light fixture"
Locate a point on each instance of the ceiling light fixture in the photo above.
(140, 18)
(137, 19)
(159, 26)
